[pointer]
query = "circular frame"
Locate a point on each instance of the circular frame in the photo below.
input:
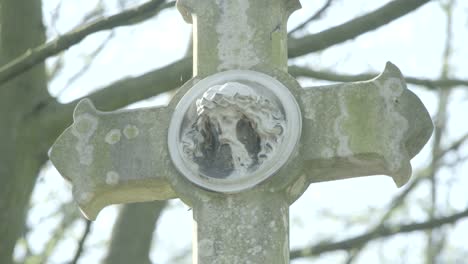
(289, 142)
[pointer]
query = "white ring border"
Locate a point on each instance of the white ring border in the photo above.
(283, 153)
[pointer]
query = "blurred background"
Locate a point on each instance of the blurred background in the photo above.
(140, 59)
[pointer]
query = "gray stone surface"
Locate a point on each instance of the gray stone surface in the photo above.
(118, 157)
(238, 34)
(248, 228)
(365, 128)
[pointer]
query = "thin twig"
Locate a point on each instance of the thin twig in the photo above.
(454, 146)
(352, 255)
(353, 28)
(299, 71)
(396, 202)
(70, 217)
(83, 238)
(55, 16)
(37, 55)
(418, 179)
(435, 239)
(87, 64)
(96, 12)
(382, 232)
(315, 16)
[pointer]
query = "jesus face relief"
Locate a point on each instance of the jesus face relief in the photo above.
(236, 129)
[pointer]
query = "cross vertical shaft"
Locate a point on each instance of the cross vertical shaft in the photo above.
(247, 227)
(242, 229)
(239, 34)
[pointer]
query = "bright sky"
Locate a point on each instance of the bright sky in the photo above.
(414, 43)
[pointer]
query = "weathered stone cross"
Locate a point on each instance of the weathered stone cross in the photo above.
(241, 140)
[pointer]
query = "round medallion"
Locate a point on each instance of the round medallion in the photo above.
(233, 130)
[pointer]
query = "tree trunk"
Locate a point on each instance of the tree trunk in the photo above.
(133, 233)
(22, 153)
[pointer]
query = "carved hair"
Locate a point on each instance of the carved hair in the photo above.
(219, 112)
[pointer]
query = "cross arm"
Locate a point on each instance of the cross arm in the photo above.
(114, 157)
(363, 128)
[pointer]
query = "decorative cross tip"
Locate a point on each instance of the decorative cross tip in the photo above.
(90, 154)
(189, 7)
(363, 128)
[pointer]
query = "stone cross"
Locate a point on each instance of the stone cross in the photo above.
(241, 140)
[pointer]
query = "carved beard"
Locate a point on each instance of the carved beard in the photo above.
(230, 145)
(233, 132)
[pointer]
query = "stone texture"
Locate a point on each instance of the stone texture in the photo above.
(232, 35)
(118, 157)
(364, 128)
(249, 228)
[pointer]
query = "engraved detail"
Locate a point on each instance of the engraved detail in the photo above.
(84, 127)
(131, 131)
(112, 178)
(390, 90)
(113, 136)
(235, 129)
(85, 197)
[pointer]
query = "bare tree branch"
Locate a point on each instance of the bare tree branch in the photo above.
(298, 71)
(37, 55)
(353, 28)
(54, 116)
(398, 200)
(297, 46)
(87, 64)
(134, 89)
(382, 232)
(133, 245)
(435, 239)
(83, 238)
(315, 16)
(69, 217)
(454, 146)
